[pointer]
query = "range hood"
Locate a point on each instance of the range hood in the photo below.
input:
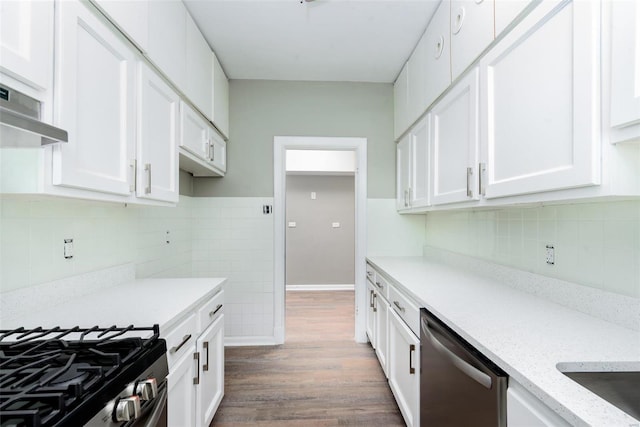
(20, 124)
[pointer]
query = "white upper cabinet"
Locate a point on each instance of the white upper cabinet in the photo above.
(455, 139)
(94, 102)
(625, 70)
(542, 102)
(199, 68)
(417, 81)
(26, 41)
(401, 102)
(471, 32)
(168, 39)
(220, 97)
(438, 54)
(157, 143)
(403, 172)
(131, 17)
(202, 149)
(506, 11)
(412, 167)
(194, 132)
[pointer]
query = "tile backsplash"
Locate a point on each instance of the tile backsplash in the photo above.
(104, 234)
(596, 244)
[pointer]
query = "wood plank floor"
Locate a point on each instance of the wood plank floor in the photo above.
(319, 377)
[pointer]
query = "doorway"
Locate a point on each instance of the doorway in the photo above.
(357, 146)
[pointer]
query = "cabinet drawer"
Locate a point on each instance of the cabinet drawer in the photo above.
(210, 311)
(181, 338)
(371, 273)
(381, 285)
(405, 308)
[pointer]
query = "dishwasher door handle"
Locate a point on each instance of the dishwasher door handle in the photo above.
(469, 370)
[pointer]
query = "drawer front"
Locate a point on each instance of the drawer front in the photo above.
(210, 311)
(371, 273)
(406, 309)
(181, 338)
(381, 285)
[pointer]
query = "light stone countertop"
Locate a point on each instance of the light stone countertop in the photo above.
(141, 303)
(525, 335)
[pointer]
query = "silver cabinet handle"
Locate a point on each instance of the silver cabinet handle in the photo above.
(371, 299)
(134, 167)
(212, 152)
(469, 174)
(412, 348)
(147, 168)
(482, 170)
(369, 273)
(179, 346)
(375, 302)
(397, 304)
(196, 357)
(205, 346)
(213, 312)
(470, 371)
(379, 285)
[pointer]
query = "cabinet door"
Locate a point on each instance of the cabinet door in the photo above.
(220, 97)
(218, 151)
(168, 39)
(181, 409)
(200, 68)
(404, 369)
(157, 143)
(417, 83)
(419, 194)
(625, 67)
(525, 410)
(211, 388)
(471, 32)
(371, 315)
(403, 172)
(194, 132)
(94, 102)
(26, 41)
(382, 332)
(401, 103)
(131, 16)
(542, 102)
(438, 59)
(454, 139)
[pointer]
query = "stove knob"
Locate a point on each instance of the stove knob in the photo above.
(147, 389)
(127, 408)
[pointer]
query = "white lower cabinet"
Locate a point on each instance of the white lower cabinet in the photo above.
(382, 332)
(195, 353)
(371, 317)
(525, 410)
(404, 368)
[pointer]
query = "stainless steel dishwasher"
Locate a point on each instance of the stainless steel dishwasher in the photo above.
(459, 386)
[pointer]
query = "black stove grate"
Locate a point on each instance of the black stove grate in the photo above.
(46, 374)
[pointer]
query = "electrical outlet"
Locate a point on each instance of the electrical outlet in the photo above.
(313, 195)
(267, 209)
(68, 248)
(550, 255)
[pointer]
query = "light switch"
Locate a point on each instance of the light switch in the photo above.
(292, 224)
(335, 224)
(68, 248)
(313, 195)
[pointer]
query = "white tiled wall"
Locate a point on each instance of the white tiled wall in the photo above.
(104, 234)
(232, 238)
(596, 244)
(390, 234)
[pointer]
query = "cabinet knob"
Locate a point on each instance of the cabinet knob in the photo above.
(439, 47)
(458, 20)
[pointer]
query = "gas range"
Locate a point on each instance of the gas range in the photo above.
(71, 377)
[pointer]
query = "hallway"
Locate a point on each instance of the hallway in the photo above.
(319, 377)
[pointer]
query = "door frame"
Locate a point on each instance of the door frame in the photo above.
(280, 146)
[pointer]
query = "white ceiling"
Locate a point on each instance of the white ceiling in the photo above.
(322, 40)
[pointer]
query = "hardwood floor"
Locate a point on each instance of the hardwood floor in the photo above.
(319, 377)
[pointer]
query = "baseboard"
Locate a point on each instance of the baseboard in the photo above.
(320, 287)
(249, 341)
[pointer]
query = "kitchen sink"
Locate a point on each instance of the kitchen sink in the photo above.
(620, 388)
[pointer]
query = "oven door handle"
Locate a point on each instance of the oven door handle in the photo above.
(158, 409)
(469, 370)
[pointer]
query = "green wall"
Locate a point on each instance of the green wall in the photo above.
(262, 109)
